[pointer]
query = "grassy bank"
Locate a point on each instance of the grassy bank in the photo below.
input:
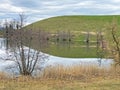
(72, 78)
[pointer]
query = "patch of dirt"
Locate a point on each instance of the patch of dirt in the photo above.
(91, 33)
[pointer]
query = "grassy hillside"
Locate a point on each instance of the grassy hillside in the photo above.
(78, 27)
(75, 23)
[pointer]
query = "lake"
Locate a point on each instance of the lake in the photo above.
(50, 60)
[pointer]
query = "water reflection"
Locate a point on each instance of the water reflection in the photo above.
(54, 60)
(2, 43)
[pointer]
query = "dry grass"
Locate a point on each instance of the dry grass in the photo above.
(3, 76)
(66, 78)
(79, 73)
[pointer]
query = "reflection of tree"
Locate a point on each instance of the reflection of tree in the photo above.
(87, 39)
(63, 36)
(100, 46)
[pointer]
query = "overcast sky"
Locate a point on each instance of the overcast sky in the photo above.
(40, 9)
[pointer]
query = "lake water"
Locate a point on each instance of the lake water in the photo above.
(51, 60)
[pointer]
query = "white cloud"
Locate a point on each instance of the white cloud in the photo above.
(107, 7)
(1, 14)
(8, 7)
(40, 9)
(116, 1)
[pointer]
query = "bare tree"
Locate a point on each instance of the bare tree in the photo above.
(26, 58)
(116, 42)
(22, 19)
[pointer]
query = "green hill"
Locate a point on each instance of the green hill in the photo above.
(78, 27)
(74, 23)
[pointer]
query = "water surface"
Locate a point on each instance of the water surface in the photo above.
(51, 60)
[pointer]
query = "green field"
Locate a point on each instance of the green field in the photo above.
(78, 26)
